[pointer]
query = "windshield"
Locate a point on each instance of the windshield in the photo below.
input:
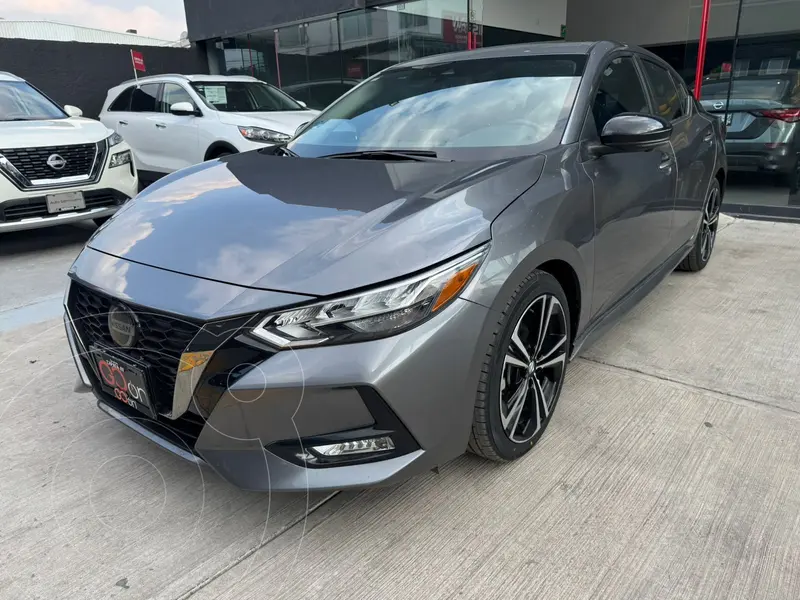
(500, 105)
(762, 88)
(244, 96)
(20, 101)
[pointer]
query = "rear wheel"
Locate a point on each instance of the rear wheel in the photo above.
(698, 258)
(523, 372)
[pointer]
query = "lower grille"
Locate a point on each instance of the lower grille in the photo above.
(37, 207)
(162, 339)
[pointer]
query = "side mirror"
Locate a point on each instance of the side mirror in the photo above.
(631, 132)
(303, 104)
(73, 111)
(183, 109)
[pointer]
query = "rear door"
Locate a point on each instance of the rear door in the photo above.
(633, 190)
(178, 142)
(116, 115)
(693, 142)
(140, 131)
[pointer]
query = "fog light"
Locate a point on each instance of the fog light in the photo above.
(381, 444)
(119, 159)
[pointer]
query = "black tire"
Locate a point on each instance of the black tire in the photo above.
(489, 437)
(700, 254)
(101, 221)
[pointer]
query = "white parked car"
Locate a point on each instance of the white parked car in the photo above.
(174, 121)
(57, 167)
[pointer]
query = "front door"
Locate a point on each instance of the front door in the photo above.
(178, 137)
(633, 191)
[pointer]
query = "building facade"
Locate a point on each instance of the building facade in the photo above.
(317, 49)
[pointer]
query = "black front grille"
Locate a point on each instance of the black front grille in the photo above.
(32, 162)
(18, 210)
(161, 342)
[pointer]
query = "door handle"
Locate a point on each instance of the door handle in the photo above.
(161, 126)
(708, 137)
(123, 123)
(666, 163)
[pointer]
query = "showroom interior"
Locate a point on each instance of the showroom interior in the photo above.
(317, 49)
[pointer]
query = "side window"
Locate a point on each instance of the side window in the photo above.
(144, 98)
(667, 101)
(620, 92)
(123, 101)
(174, 93)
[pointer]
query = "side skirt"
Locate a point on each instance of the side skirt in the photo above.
(601, 324)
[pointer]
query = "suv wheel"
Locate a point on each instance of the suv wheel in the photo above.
(524, 369)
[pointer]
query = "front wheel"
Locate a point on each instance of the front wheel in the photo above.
(698, 258)
(523, 372)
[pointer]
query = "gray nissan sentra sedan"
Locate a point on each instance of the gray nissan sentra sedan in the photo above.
(409, 277)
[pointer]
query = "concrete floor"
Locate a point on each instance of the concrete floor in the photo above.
(670, 470)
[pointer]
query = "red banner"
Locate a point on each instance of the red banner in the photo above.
(138, 60)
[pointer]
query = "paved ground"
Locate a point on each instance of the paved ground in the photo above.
(671, 470)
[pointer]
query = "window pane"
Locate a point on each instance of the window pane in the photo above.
(20, 101)
(667, 100)
(174, 93)
(620, 92)
(123, 101)
(144, 98)
(244, 96)
(482, 103)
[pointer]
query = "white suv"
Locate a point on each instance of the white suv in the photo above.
(174, 121)
(55, 166)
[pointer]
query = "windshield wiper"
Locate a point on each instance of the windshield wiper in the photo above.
(414, 155)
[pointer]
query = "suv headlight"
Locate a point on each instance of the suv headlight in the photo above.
(374, 313)
(258, 134)
(114, 139)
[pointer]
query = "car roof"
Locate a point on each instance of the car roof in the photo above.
(6, 76)
(532, 49)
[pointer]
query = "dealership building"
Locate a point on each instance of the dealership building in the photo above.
(317, 49)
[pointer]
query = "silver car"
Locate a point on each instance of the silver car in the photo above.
(407, 278)
(761, 120)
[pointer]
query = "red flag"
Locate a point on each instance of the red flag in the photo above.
(138, 60)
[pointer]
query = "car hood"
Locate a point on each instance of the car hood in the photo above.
(283, 122)
(55, 132)
(313, 226)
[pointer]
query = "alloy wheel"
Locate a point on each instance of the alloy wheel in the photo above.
(533, 368)
(708, 230)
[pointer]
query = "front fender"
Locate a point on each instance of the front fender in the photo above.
(552, 221)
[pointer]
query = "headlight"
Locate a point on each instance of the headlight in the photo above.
(257, 134)
(114, 139)
(119, 159)
(374, 313)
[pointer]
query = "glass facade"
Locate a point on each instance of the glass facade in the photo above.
(750, 80)
(750, 77)
(319, 60)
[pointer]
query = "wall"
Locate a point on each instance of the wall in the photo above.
(658, 22)
(81, 74)
(544, 17)
(208, 19)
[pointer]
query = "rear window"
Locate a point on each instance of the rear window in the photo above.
(768, 88)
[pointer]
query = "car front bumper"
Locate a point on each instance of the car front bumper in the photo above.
(22, 210)
(417, 387)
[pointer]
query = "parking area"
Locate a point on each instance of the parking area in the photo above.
(671, 468)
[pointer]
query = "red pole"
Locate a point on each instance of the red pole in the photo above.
(701, 49)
